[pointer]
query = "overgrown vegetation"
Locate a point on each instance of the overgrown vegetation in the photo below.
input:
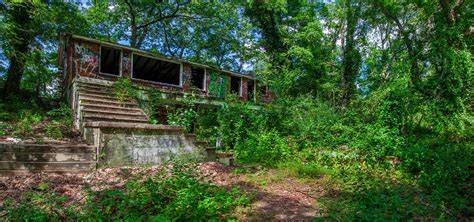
(23, 118)
(376, 170)
(375, 94)
(175, 193)
(124, 90)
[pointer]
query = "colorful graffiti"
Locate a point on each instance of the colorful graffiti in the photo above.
(86, 61)
(218, 85)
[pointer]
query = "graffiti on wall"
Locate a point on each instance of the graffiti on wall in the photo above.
(218, 85)
(86, 61)
(127, 63)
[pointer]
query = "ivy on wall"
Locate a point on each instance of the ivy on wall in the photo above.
(218, 85)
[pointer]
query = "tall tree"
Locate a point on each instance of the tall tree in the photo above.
(133, 21)
(351, 58)
(29, 26)
(19, 34)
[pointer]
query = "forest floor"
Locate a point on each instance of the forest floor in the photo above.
(274, 196)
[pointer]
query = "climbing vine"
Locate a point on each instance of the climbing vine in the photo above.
(218, 85)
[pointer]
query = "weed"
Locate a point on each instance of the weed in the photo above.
(53, 131)
(4, 127)
(124, 90)
(23, 128)
(176, 193)
(60, 122)
(301, 170)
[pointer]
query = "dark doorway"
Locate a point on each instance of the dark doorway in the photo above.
(250, 90)
(235, 83)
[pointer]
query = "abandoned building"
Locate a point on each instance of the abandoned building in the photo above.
(118, 132)
(82, 57)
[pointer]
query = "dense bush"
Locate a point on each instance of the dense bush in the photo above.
(267, 148)
(382, 168)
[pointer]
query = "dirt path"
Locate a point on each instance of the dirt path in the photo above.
(281, 199)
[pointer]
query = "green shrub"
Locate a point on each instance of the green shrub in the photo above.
(60, 122)
(124, 90)
(23, 127)
(41, 205)
(184, 115)
(267, 148)
(13, 107)
(3, 128)
(54, 131)
(176, 195)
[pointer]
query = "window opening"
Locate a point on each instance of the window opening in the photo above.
(235, 83)
(155, 70)
(110, 61)
(197, 77)
(250, 90)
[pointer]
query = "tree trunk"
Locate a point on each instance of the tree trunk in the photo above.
(14, 75)
(350, 60)
(20, 18)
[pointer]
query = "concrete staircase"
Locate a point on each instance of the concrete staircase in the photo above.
(102, 118)
(115, 133)
(53, 158)
(97, 102)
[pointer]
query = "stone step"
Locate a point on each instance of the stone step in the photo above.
(190, 135)
(224, 154)
(46, 148)
(109, 118)
(96, 84)
(96, 88)
(111, 108)
(131, 126)
(47, 157)
(105, 102)
(121, 113)
(27, 172)
(14, 165)
(97, 92)
(101, 96)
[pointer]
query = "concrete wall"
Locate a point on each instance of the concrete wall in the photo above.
(120, 147)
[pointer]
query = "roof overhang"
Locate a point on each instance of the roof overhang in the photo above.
(156, 55)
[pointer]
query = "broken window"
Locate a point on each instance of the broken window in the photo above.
(235, 83)
(197, 77)
(109, 61)
(250, 90)
(155, 70)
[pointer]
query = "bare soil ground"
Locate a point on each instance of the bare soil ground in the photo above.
(273, 198)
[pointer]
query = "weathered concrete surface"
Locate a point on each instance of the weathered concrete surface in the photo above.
(121, 130)
(30, 158)
(120, 147)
